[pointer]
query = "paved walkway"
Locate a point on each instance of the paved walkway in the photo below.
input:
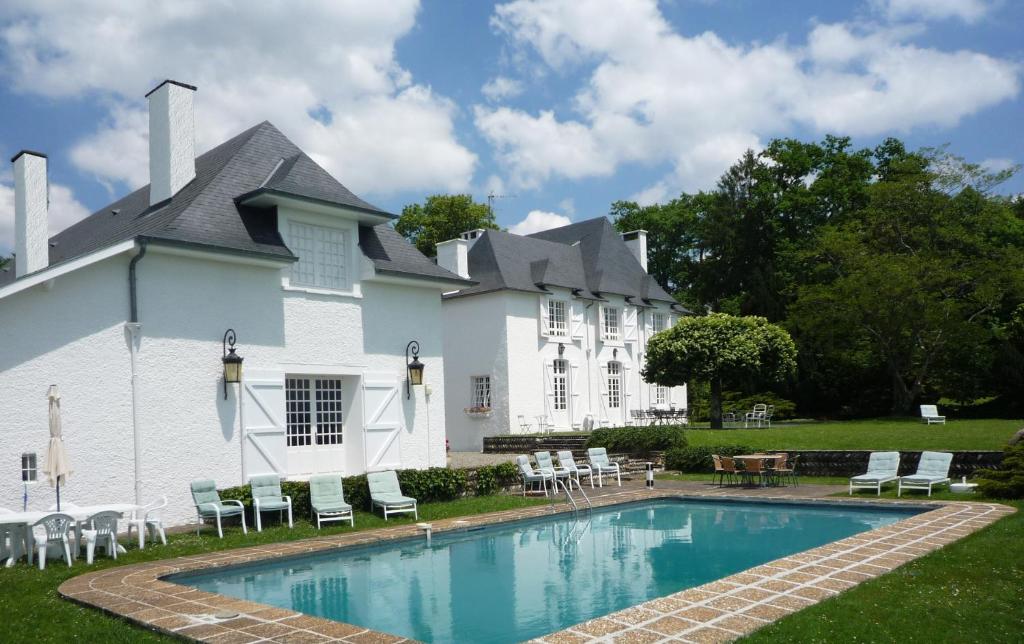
(460, 460)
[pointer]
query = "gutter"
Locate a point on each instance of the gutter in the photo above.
(134, 333)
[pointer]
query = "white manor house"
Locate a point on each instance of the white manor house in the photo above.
(128, 313)
(552, 335)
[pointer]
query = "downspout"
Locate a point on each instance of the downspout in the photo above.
(590, 384)
(134, 336)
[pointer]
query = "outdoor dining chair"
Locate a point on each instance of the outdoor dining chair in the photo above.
(55, 527)
(148, 519)
(101, 530)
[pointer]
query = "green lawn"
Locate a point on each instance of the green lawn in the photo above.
(32, 611)
(875, 434)
(969, 591)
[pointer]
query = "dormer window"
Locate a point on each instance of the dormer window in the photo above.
(658, 322)
(611, 326)
(323, 256)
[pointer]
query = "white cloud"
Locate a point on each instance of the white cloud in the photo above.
(997, 164)
(538, 220)
(501, 87)
(325, 74)
(654, 96)
(64, 210)
(568, 206)
(969, 11)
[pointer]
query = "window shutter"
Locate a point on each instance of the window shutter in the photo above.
(549, 387)
(544, 331)
(579, 316)
(629, 324)
(576, 408)
(627, 386)
(602, 386)
(600, 321)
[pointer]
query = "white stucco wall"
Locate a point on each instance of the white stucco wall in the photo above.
(73, 335)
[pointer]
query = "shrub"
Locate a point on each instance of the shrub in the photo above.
(434, 484)
(698, 459)
(638, 440)
(739, 402)
(491, 479)
(1007, 482)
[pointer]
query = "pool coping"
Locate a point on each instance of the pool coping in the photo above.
(722, 610)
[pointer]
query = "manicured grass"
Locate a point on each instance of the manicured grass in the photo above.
(32, 611)
(969, 591)
(875, 434)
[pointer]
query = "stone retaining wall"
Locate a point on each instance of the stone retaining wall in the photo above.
(851, 462)
(528, 444)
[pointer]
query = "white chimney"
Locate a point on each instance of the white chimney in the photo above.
(453, 255)
(172, 139)
(636, 241)
(472, 235)
(31, 203)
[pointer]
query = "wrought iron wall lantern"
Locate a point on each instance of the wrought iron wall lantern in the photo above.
(413, 368)
(561, 349)
(232, 361)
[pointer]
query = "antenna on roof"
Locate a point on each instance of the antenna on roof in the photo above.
(491, 197)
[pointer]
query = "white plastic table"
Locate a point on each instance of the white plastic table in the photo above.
(23, 521)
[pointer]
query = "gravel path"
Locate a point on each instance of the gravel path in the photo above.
(476, 459)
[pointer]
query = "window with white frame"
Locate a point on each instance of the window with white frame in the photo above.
(29, 469)
(660, 395)
(657, 322)
(481, 389)
(557, 319)
(313, 411)
(614, 385)
(611, 327)
(560, 385)
(322, 254)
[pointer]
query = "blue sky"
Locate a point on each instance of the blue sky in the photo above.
(562, 106)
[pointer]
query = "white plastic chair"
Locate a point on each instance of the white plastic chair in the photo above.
(601, 464)
(566, 460)
(5, 535)
(56, 527)
(150, 521)
(930, 415)
(524, 425)
(102, 530)
(755, 416)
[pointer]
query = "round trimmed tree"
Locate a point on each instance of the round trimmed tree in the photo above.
(722, 350)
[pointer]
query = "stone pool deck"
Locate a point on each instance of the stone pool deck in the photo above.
(719, 611)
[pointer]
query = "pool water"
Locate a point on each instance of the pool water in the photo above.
(514, 581)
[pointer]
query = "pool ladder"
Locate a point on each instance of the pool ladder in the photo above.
(569, 499)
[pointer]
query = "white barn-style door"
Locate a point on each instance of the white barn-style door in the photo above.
(383, 421)
(263, 423)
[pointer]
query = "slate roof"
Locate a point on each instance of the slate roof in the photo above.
(589, 256)
(206, 213)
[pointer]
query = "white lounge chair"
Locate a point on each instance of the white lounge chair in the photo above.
(883, 467)
(101, 530)
(532, 477)
(209, 506)
(149, 521)
(600, 464)
(930, 415)
(327, 500)
(386, 494)
(566, 460)
(545, 464)
(267, 497)
(932, 469)
(56, 528)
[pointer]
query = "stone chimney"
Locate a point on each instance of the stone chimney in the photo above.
(172, 139)
(636, 241)
(31, 220)
(453, 256)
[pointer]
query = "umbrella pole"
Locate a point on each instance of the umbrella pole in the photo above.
(58, 494)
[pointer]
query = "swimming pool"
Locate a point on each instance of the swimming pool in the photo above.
(513, 581)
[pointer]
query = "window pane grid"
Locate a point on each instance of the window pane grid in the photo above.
(328, 411)
(614, 385)
(610, 323)
(29, 472)
(298, 420)
(481, 391)
(322, 254)
(559, 385)
(658, 322)
(556, 318)
(660, 395)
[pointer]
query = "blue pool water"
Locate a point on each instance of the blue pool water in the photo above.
(515, 581)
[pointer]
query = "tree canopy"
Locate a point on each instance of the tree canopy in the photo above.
(721, 349)
(441, 218)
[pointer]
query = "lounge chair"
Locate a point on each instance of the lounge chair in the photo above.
(932, 469)
(101, 530)
(56, 528)
(883, 467)
(545, 464)
(267, 497)
(327, 499)
(386, 494)
(930, 415)
(600, 463)
(566, 460)
(532, 477)
(149, 521)
(209, 506)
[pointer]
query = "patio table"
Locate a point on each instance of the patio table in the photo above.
(752, 457)
(23, 521)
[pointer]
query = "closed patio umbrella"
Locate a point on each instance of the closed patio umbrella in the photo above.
(57, 465)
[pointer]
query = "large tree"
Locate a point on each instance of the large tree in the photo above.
(441, 218)
(723, 350)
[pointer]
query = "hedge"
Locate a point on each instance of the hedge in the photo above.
(698, 459)
(1007, 482)
(426, 486)
(638, 440)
